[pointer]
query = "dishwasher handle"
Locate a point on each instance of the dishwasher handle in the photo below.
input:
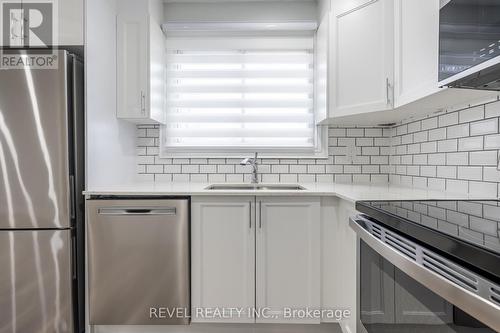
(138, 211)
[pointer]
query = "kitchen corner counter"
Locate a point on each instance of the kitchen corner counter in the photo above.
(350, 192)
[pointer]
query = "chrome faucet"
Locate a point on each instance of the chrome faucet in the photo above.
(255, 168)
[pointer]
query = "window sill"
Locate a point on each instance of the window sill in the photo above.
(170, 154)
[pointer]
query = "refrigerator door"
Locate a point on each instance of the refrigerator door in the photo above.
(34, 148)
(35, 282)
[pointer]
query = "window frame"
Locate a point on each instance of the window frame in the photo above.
(319, 150)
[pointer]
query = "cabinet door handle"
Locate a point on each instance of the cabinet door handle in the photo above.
(137, 211)
(387, 88)
(260, 215)
(143, 102)
(250, 215)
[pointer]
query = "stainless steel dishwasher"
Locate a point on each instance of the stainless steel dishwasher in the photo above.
(138, 257)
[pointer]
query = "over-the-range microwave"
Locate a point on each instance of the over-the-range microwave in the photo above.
(469, 44)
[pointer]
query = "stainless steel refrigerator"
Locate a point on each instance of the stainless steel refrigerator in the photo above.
(41, 207)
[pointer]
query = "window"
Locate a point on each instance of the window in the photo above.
(234, 95)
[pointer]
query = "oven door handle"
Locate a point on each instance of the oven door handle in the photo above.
(481, 309)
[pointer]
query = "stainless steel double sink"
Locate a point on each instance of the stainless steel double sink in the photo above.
(253, 187)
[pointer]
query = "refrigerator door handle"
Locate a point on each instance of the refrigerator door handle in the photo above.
(72, 189)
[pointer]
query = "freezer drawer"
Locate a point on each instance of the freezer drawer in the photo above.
(138, 262)
(35, 282)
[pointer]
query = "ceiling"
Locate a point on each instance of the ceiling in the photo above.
(208, 1)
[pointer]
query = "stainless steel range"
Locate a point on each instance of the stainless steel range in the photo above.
(429, 266)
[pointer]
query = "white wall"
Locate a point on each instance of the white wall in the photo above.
(110, 142)
(268, 11)
(71, 22)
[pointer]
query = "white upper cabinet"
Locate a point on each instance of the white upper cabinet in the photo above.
(288, 257)
(416, 49)
(383, 62)
(140, 65)
(362, 58)
(321, 66)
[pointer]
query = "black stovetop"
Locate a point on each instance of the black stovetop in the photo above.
(466, 231)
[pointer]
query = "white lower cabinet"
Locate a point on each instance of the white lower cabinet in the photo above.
(259, 253)
(288, 258)
(222, 257)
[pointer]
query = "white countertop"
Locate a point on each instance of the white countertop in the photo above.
(349, 192)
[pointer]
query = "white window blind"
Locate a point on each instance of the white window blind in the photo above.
(239, 94)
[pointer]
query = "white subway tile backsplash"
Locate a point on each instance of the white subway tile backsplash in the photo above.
(414, 127)
(172, 168)
(374, 132)
(470, 173)
(307, 178)
(428, 147)
(280, 168)
(457, 158)
(437, 134)
(488, 126)
(199, 178)
(401, 130)
(485, 190)
(471, 114)
(458, 131)
(448, 145)
(492, 110)
(436, 159)
(471, 143)
(406, 139)
(360, 142)
(225, 168)
(457, 186)
(180, 178)
(436, 184)
(428, 171)
(421, 136)
(190, 168)
(289, 178)
(448, 119)
(448, 172)
(154, 168)
(414, 149)
(355, 132)
(492, 142)
(209, 168)
(484, 158)
(429, 123)
(456, 151)
(491, 174)
(352, 168)
(421, 159)
(360, 179)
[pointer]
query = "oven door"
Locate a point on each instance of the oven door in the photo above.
(406, 288)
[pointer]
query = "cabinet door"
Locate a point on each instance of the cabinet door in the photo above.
(223, 256)
(416, 49)
(156, 71)
(132, 66)
(364, 58)
(288, 257)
